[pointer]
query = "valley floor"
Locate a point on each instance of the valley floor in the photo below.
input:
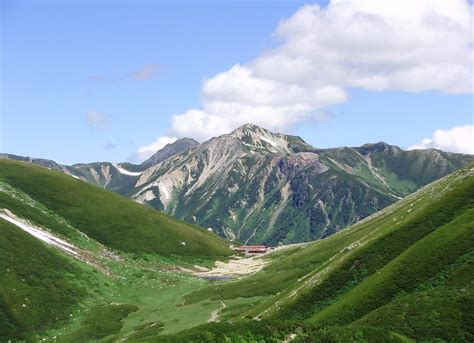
(237, 267)
(240, 265)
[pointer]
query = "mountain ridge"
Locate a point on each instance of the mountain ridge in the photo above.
(257, 186)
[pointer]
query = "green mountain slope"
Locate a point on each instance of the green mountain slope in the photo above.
(38, 286)
(403, 273)
(108, 218)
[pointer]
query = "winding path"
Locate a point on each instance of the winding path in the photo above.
(214, 318)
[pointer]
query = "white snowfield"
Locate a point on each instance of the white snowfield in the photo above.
(38, 232)
(268, 140)
(126, 172)
(163, 189)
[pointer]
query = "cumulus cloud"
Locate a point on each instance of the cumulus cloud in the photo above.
(97, 120)
(237, 96)
(146, 151)
(457, 139)
(381, 45)
(376, 45)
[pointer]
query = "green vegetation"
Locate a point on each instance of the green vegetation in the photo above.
(152, 300)
(404, 274)
(274, 331)
(100, 322)
(417, 264)
(108, 218)
(441, 313)
(38, 286)
(379, 252)
(45, 293)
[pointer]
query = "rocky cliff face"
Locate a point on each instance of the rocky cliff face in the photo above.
(259, 187)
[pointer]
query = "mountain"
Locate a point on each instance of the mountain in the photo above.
(256, 186)
(170, 150)
(259, 187)
(403, 274)
(79, 263)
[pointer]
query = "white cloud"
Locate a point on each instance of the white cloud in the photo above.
(376, 45)
(97, 120)
(146, 151)
(457, 139)
(236, 97)
(379, 45)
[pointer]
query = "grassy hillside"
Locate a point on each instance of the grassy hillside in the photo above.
(38, 286)
(418, 233)
(108, 218)
(404, 273)
(48, 294)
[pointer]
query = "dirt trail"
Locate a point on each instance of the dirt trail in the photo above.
(215, 314)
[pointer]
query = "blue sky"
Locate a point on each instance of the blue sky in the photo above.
(87, 81)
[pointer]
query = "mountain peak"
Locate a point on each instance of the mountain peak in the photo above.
(186, 140)
(248, 127)
(254, 137)
(169, 150)
(379, 147)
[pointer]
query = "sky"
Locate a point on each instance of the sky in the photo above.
(85, 81)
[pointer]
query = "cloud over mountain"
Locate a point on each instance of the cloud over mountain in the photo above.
(457, 139)
(412, 46)
(146, 151)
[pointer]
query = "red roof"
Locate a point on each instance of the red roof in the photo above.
(253, 247)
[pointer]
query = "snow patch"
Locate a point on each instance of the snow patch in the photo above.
(126, 172)
(37, 232)
(268, 140)
(395, 196)
(163, 189)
